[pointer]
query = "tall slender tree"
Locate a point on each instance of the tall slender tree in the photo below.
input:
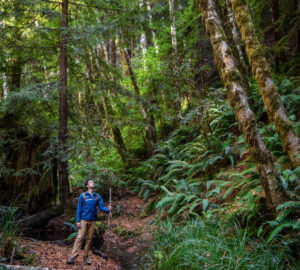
(262, 73)
(148, 121)
(233, 81)
(63, 110)
(175, 59)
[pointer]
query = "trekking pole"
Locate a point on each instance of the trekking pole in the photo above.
(109, 217)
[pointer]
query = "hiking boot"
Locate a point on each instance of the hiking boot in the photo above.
(87, 260)
(71, 260)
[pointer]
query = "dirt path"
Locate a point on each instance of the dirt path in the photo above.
(122, 242)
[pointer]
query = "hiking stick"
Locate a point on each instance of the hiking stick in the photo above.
(109, 217)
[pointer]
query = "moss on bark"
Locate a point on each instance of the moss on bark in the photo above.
(233, 81)
(262, 73)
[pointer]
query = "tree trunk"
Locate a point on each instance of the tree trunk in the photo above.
(296, 5)
(64, 190)
(15, 77)
(175, 59)
(153, 33)
(116, 134)
(125, 157)
(143, 39)
(275, 15)
(4, 88)
(236, 36)
(233, 82)
(113, 55)
(41, 218)
(262, 73)
(148, 127)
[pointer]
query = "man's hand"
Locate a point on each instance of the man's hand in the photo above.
(78, 225)
(109, 208)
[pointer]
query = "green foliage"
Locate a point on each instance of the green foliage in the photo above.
(212, 246)
(74, 227)
(8, 230)
(183, 201)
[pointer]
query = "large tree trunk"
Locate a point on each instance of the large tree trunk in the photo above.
(64, 189)
(262, 73)
(148, 127)
(233, 82)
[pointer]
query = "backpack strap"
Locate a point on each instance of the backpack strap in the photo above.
(84, 197)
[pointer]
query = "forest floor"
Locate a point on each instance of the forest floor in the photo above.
(125, 242)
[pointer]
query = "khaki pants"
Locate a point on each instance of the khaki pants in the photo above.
(86, 227)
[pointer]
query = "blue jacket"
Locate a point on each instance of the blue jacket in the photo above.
(88, 211)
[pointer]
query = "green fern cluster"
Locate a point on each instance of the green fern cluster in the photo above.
(287, 222)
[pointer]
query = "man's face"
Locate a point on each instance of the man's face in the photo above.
(91, 184)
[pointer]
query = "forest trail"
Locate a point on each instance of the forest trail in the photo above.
(128, 236)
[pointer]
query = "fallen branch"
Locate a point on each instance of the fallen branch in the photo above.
(40, 218)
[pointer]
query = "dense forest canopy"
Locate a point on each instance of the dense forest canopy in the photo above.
(191, 105)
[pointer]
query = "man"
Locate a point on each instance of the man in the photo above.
(86, 219)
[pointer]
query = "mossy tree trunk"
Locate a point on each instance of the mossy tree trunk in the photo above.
(233, 81)
(262, 73)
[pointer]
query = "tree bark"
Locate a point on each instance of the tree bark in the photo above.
(64, 190)
(233, 81)
(236, 36)
(262, 73)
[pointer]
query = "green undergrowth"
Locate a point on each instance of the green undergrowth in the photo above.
(10, 247)
(203, 172)
(209, 244)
